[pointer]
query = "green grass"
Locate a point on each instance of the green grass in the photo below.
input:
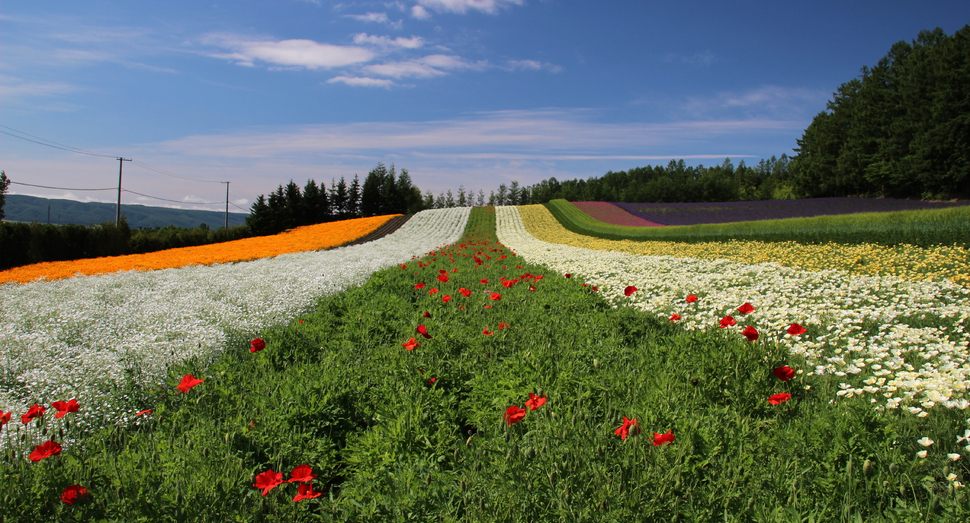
(336, 390)
(922, 228)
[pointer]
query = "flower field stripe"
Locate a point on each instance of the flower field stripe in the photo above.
(903, 343)
(610, 213)
(87, 336)
(948, 226)
(300, 239)
(905, 261)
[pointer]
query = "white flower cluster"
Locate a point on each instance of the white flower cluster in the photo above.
(85, 337)
(871, 330)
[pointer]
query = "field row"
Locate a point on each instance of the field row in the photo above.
(901, 342)
(93, 337)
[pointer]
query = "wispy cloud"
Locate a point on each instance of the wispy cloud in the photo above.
(463, 6)
(379, 18)
(424, 67)
(770, 101)
(413, 42)
(361, 81)
(288, 53)
(533, 65)
(702, 59)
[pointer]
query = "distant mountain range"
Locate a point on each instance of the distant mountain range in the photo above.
(23, 208)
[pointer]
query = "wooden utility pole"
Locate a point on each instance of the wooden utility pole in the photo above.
(227, 204)
(120, 163)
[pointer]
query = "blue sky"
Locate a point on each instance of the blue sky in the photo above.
(459, 92)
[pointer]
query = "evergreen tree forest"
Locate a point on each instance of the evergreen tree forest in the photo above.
(901, 129)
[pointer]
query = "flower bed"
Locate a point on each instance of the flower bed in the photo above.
(903, 342)
(611, 213)
(726, 212)
(300, 239)
(89, 336)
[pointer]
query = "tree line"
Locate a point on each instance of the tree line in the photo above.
(901, 129)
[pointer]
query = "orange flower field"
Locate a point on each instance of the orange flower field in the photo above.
(300, 239)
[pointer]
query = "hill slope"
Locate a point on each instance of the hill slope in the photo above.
(24, 208)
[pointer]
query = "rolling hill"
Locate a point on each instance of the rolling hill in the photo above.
(24, 208)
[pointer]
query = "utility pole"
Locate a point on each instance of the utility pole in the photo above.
(227, 204)
(120, 163)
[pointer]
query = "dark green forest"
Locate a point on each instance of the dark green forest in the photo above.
(901, 129)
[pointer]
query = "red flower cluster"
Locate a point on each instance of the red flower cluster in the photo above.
(411, 344)
(302, 474)
(188, 381)
(257, 345)
(624, 429)
(35, 411)
(63, 407)
(629, 290)
(514, 414)
(73, 493)
(534, 402)
(661, 439)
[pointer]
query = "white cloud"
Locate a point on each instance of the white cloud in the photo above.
(289, 53)
(420, 13)
(463, 6)
(14, 88)
(380, 18)
(385, 41)
(361, 81)
(764, 101)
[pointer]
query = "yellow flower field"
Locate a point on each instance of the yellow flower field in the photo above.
(300, 239)
(905, 261)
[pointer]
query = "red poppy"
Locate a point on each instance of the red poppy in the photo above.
(691, 298)
(674, 317)
(745, 308)
(728, 321)
(305, 491)
(46, 450)
(585, 285)
(5, 417)
(419, 285)
(495, 296)
(72, 493)
(750, 332)
(779, 398)
(422, 330)
(595, 288)
(143, 412)
(63, 407)
(33, 412)
(624, 429)
(487, 332)
(660, 439)
(503, 325)
(442, 278)
(442, 271)
(785, 373)
(432, 380)
(411, 344)
(629, 290)
(509, 283)
(445, 299)
(427, 314)
(532, 289)
(303, 473)
(258, 344)
(188, 381)
(514, 414)
(268, 480)
(796, 329)
(455, 269)
(465, 292)
(462, 307)
(534, 402)
(487, 307)
(483, 281)
(433, 291)
(569, 275)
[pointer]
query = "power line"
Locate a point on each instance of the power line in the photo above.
(63, 188)
(173, 201)
(159, 171)
(51, 143)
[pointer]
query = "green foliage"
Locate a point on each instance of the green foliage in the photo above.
(336, 390)
(4, 185)
(922, 228)
(902, 129)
